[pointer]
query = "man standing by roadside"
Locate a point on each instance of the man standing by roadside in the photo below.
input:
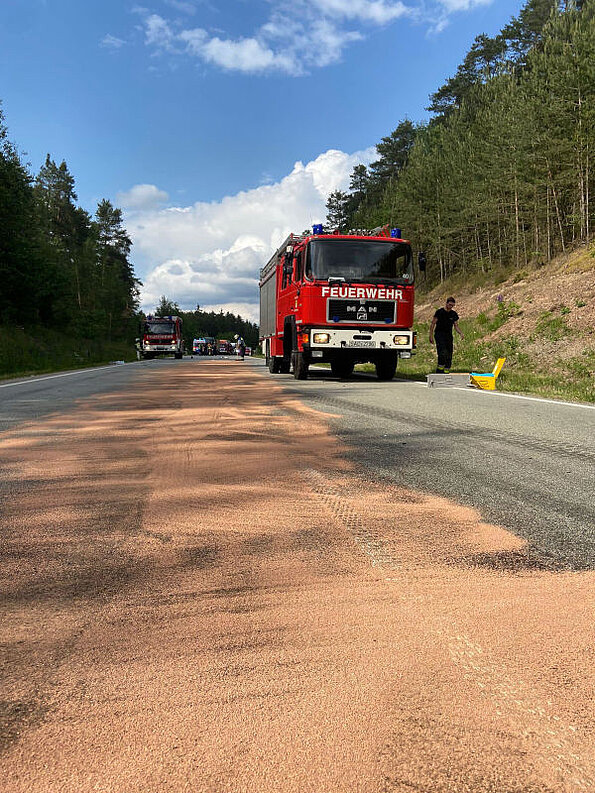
(240, 347)
(441, 330)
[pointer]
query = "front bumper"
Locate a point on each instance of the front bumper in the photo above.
(360, 340)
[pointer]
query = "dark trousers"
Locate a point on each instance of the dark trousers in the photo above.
(444, 350)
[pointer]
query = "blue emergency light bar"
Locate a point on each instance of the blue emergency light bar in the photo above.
(395, 233)
(317, 228)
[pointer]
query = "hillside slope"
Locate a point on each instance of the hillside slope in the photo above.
(541, 320)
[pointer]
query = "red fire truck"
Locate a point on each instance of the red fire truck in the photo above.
(160, 336)
(225, 347)
(338, 298)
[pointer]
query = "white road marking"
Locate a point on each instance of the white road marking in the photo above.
(64, 374)
(510, 396)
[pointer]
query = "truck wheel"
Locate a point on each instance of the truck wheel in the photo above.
(342, 369)
(274, 364)
(285, 366)
(386, 367)
(300, 366)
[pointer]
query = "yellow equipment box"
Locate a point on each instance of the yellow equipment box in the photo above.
(487, 380)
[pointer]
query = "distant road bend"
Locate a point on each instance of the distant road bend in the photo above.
(216, 579)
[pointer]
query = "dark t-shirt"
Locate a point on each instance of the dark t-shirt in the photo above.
(445, 321)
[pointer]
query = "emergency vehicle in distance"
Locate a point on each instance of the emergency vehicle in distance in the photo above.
(338, 298)
(225, 347)
(204, 346)
(160, 336)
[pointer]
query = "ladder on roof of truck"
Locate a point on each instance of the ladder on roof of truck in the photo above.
(293, 239)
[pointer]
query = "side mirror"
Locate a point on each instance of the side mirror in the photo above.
(288, 264)
(421, 262)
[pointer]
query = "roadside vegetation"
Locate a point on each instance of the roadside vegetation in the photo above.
(68, 292)
(570, 378)
(69, 296)
(38, 350)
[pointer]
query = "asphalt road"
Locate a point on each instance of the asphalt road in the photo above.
(27, 399)
(203, 588)
(526, 464)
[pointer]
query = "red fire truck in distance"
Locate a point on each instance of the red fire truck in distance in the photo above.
(338, 298)
(160, 336)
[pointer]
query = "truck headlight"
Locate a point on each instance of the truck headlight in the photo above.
(321, 338)
(400, 339)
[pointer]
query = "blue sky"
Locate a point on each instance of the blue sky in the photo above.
(219, 127)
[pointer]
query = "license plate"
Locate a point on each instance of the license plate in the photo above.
(360, 343)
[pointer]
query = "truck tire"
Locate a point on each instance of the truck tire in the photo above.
(386, 367)
(342, 369)
(300, 366)
(275, 364)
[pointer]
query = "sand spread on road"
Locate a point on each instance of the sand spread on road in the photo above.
(201, 593)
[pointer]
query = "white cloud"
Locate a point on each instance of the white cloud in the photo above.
(211, 253)
(451, 6)
(444, 9)
(111, 42)
(244, 55)
(142, 196)
(377, 11)
(299, 35)
(158, 33)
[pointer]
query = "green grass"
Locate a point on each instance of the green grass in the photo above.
(25, 351)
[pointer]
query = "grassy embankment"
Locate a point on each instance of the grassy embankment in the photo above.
(542, 321)
(570, 378)
(39, 350)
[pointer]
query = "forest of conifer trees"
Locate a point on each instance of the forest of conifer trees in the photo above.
(68, 292)
(60, 267)
(501, 175)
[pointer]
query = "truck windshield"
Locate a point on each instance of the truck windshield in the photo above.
(161, 328)
(359, 260)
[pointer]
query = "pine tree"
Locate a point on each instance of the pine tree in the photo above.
(166, 308)
(337, 213)
(22, 274)
(117, 286)
(66, 228)
(394, 153)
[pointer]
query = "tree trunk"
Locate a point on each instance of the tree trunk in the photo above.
(558, 217)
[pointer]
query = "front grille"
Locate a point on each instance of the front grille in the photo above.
(357, 311)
